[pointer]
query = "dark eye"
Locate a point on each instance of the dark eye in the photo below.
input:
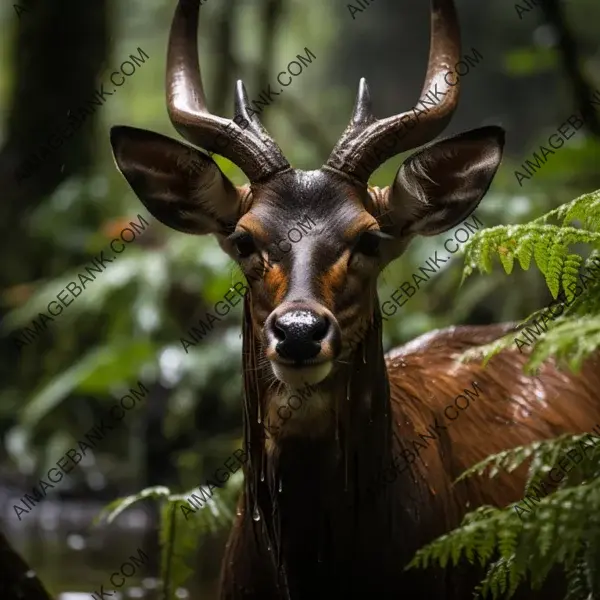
(368, 243)
(243, 242)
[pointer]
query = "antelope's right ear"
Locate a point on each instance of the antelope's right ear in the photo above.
(441, 184)
(180, 186)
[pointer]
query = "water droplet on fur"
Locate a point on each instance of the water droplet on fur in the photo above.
(238, 512)
(280, 486)
(256, 514)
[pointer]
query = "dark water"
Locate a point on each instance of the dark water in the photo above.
(70, 554)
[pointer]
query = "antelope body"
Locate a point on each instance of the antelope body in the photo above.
(311, 524)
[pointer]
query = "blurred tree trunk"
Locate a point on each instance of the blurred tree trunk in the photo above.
(57, 55)
(224, 76)
(58, 52)
(17, 580)
(568, 47)
(271, 13)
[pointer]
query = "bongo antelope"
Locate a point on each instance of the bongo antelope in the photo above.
(309, 524)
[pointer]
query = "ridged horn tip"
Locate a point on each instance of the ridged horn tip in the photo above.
(240, 101)
(362, 114)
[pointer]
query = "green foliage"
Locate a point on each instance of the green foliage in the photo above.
(180, 536)
(548, 244)
(520, 544)
(127, 324)
(529, 61)
(545, 454)
(575, 333)
(557, 532)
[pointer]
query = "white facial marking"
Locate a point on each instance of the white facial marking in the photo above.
(299, 377)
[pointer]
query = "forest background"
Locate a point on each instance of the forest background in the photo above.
(540, 65)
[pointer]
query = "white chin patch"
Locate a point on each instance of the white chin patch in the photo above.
(300, 377)
(300, 409)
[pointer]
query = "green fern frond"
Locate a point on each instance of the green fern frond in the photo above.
(548, 243)
(556, 529)
(555, 524)
(181, 532)
(542, 240)
(524, 250)
(554, 266)
(112, 510)
(545, 454)
(480, 535)
(585, 209)
(501, 580)
(570, 273)
(578, 581)
(486, 352)
(175, 551)
(507, 460)
(552, 533)
(571, 340)
(217, 511)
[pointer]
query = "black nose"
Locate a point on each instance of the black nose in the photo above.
(299, 334)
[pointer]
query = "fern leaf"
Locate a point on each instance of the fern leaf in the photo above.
(570, 273)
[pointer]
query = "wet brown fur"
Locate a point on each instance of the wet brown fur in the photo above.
(366, 539)
(333, 531)
(314, 521)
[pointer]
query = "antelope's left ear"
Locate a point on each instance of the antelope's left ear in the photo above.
(179, 185)
(441, 184)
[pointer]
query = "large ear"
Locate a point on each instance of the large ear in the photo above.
(441, 184)
(179, 185)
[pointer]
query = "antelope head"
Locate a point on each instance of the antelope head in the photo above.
(321, 289)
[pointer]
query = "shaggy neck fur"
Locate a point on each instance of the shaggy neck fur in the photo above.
(310, 501)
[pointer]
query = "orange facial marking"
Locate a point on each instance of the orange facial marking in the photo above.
(362, 222)
(251, 224)
(276, 283)
(333, 280)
